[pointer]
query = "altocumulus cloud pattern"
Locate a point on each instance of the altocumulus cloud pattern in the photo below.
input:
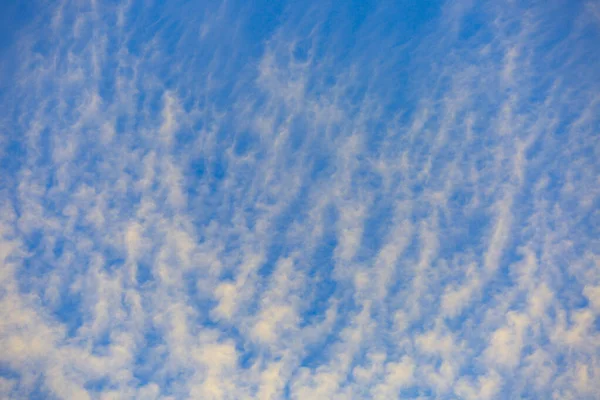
(300, 200)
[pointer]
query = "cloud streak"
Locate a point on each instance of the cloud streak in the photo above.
(258, 201)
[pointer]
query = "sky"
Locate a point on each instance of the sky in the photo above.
(320, 200)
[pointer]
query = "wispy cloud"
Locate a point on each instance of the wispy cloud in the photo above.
(273, 201)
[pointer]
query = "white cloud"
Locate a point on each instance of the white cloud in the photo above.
(215, 201)
(506, 343)
(398, 375)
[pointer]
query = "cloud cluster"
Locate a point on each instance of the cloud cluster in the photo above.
(301, 201)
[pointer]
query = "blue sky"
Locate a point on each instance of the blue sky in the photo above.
(299, 200)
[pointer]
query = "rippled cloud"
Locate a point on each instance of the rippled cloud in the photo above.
(314, 200)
